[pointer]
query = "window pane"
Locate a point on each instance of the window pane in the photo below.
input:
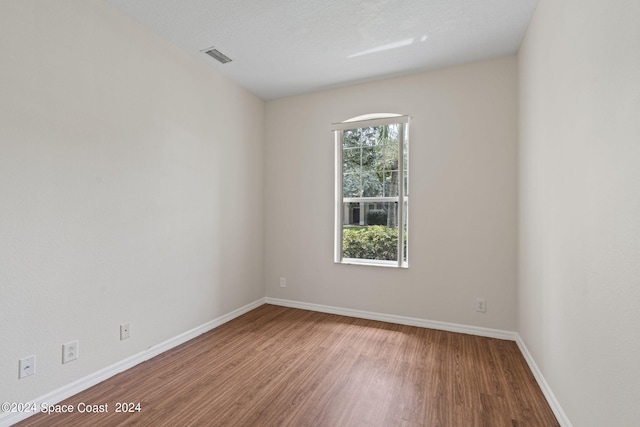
(388, 133)
(390, 153)
(376, 240)
(369, 157)
(351, 160)
(371, 185)
(351, 138)
(369, 136)
(351, 185)
(391, 184)
(352, 214)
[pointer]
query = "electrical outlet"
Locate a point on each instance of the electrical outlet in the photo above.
(283, 282)
(27, 366)
(69, 351)
(481, 305)
(124, 331)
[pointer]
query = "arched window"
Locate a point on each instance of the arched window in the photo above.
(372, 190)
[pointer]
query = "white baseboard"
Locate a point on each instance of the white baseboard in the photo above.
(402, 320)
(544, 386)
(56, 396)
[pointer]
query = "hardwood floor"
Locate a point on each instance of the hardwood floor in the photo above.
(277, 366)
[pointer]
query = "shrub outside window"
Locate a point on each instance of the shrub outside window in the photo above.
(372, 192)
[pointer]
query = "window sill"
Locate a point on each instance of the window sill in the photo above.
(372, 262)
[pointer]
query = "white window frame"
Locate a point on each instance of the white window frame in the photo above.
(371, 120)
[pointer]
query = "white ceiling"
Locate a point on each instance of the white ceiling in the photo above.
(287, 47)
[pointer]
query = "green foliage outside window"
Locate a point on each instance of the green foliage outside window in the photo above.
(373, 242)
(377, 217)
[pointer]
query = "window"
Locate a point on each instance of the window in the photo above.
(372, 190)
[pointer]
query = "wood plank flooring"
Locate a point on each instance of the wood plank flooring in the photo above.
(277, 366)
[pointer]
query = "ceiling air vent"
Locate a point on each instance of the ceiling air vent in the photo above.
(217, 55)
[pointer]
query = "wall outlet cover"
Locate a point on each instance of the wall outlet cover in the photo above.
(69, 351)
(124, 331)
(27, 366)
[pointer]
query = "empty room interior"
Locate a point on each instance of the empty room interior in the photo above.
(179, 239)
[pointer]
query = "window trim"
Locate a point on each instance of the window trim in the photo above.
(370, 120)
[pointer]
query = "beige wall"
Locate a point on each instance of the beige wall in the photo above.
(463, 197)
(129, 179)
(579, 293)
